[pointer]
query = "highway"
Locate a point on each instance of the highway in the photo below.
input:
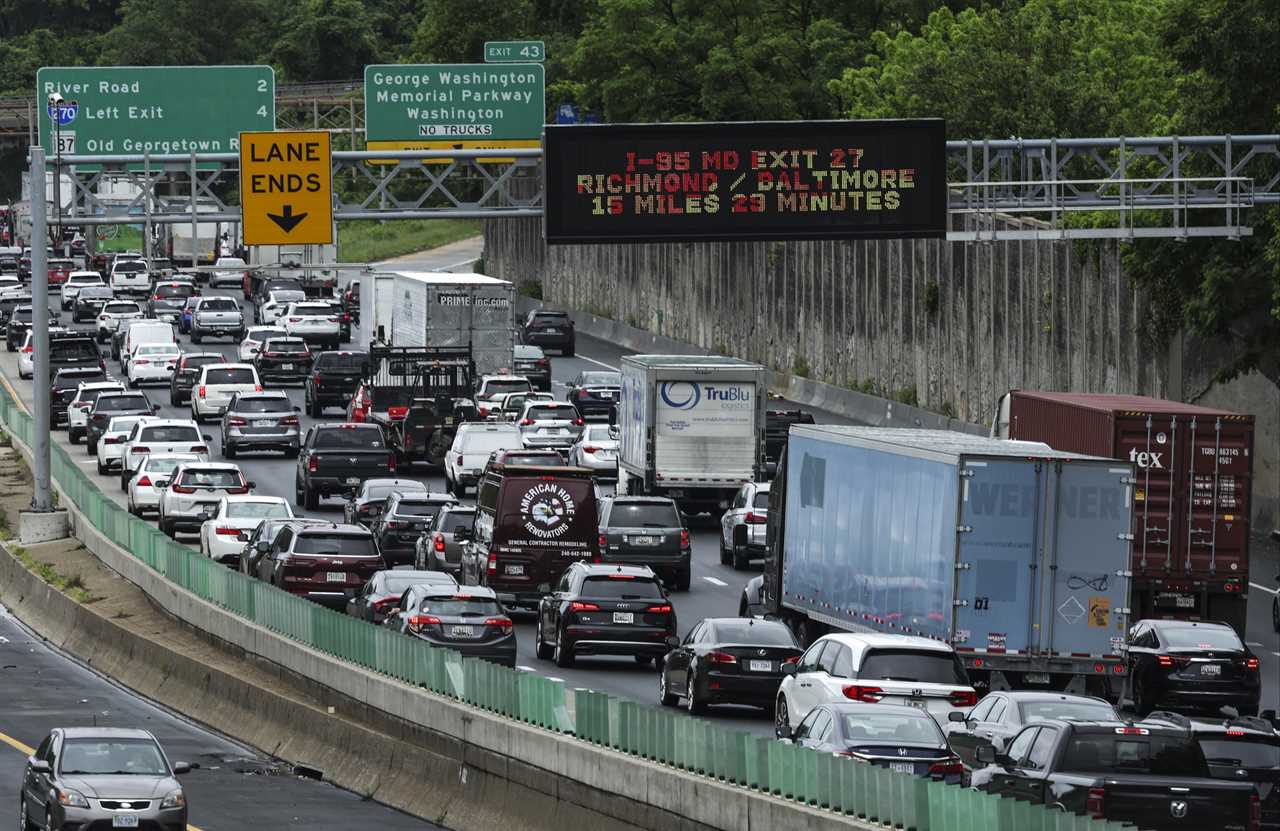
(715, 589)
(232, 787)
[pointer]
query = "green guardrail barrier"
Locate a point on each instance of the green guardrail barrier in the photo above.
(735, 757)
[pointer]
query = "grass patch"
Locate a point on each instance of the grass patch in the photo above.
(6, 531)
(71, 585)
(368, 240)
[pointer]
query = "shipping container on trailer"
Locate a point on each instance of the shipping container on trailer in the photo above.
(1013, 552)
(1194, 475)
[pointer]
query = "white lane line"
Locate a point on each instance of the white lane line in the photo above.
(553, 678)
(1266, 589)
(1254, 643)
(87, 461)
(525, 668)
(715, 581)
(597, 363)
(452, 266)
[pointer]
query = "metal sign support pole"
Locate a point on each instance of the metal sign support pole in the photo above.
(195, 256)
(42, 500)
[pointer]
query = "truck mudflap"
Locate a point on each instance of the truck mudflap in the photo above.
(992, 671)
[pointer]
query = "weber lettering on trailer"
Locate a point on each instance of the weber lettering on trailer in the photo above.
(286, 188)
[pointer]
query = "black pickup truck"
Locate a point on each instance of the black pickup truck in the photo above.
(435, 385)
(1151, 774)
(74, 350)
(777, 429)
(335, 458)
(333, 379)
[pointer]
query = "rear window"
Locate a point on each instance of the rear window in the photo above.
(892, 728)
(1081, 710)
(336, 545)
(155, 465)
(288, 296)
(643, 515)
(109, 403)
(597, 433)
(175, 291)
(458, 607)
(311, 310)
(924, 666)
(281, 345)
(1114, 754)
(1189, 637)
(22, 314)
(547, 412)
(621, 588)
(429, 509)
(353, 438)
(257, 510)
(158, 349)
(130, 267)
(477, 442)
(123, 307)
(342, 361)
(263, 405)
(761, 500)
(453, 520)
(500, 385)
(219, 304)
(538, 459)
(216, 478)
(73, 349)
(171, 434)
(193, 361)
(383, 491)
(601, 379)
(261, 333)
(94, 293)
(763, 633)
(396, 583)
(528, 353)
(229, 376)
(551, 318)
(1245, 752)
(123, 424)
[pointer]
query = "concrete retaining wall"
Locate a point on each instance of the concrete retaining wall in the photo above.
(445, 761)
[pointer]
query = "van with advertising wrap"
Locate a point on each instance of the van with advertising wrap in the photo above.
(531, 523)
(690, 428)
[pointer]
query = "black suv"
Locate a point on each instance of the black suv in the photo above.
(547, 328)
(19, 323)
(777, 429)
(63, 388)
(1241, 748)
(404, 518)
(107, 406)
(283, 359)
(595, 392)
(89, 302)
(333, 379)
(1184, 664)
(601, 609)
(187, 371)
(74, 350)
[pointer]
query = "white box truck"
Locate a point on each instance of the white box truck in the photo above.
(691, 428)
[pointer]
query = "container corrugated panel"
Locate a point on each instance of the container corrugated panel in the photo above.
(1193, 478)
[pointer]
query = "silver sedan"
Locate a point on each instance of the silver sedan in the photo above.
(596, 449)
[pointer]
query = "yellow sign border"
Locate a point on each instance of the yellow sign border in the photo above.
(257, 228)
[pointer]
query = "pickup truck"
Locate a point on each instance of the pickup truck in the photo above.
(74, 350)
(217, 317)
(1151, 774)
(335, 458)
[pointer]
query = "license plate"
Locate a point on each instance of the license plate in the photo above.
(760, 666)
(1036, 678)
(624, 617)
(124, 821)
(514, 569)
(644, 540)
(353, 480)
(286, 366)
(461, 632)
(902, 767)
(1210, 669)
(1185, 602)
(918, 703)
(336, 576)
(263, 422)
(606, 394)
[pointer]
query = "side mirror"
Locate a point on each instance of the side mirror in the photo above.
(956, 716)
(161, 484)
(180, 768)
(297, 409)
(395, 610)
(206, 437)
(985, 753)
(788, 668)
(39, 765)
(204, 516)
(155, 408)
(252, 485)
(614, 432)
(613, 418)
(262, 546)
(672, 642)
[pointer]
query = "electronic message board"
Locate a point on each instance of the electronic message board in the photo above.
(754, 181)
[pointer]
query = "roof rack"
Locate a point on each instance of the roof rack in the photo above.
(1176, 719)
(1249, 723)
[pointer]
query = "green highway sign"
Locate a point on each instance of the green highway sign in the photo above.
(514, 51)
(127, 110)
(453, 102)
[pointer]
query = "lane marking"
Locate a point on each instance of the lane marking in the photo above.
(716, 581)
(1266, 589)
(597, 363)
(17, 745)
(525, 668)
(87, 461)
(553, 678)
(17, 399)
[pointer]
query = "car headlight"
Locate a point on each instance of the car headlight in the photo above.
(174, 799)
(72, 799)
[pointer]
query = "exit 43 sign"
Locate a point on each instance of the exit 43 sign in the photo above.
(286, 188)
(514, 51)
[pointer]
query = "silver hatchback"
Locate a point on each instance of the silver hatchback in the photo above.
(260, 421)
(113, 777)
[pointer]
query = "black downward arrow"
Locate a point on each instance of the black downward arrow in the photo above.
(287, 222)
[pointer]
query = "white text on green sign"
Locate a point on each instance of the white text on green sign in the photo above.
(454, 101)
(514, 51)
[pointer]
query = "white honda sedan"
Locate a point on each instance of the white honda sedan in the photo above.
(222, 537)
(144, 490)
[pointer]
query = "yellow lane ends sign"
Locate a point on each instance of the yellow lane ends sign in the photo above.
(286, 188)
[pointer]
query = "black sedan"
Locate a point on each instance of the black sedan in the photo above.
(728, 661)
(467, 619)
(403, 519)
(595, 393)
(902, 739)
(531, 362)
(602, 609)
(647, 531)
(364, 506)
(999, 716)
(1190, 665)
(385, 588)
(89, 302)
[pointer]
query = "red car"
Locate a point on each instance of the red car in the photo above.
(325, 562)
(59, 271)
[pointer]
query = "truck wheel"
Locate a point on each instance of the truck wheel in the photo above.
(725, 557)
(543, 649)
(682, 581)
(563, 652)
(311, 497)
(741, 562)
(195, 336)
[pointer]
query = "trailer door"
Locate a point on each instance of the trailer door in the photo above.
(998, 540)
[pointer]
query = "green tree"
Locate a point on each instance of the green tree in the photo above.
(452, 32)
(190, 33)
(326, 40)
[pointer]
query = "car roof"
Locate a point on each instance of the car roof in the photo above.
(417, 574)
(1045, 695)
(478, 592)
(861, 641)
(197, 465)
(605, 569)
(101, 385)
(426, 496)
(339, 528)
(346, 425)
(171, 422)
(384, 482)
(643, 500)
(106, 733)
(1160, 623)
(182, 457)
(274, 395)
(274, 500)
(228, 365)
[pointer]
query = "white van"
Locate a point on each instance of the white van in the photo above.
(144, 331)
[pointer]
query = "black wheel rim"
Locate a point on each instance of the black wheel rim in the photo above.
(780, 716)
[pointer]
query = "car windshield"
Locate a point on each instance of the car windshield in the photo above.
(427, 509)
(120, 307)
(280, 345)
(341, 361)
(337, 545)
(237, 377)
(495, 386)
(211, 478)
(114, 756)
(1200, 637)
(349, 438)
(1245, 752)
(926, 666)
(154, 465)
(643, 515)
(1033, 711)
(762, 632)
(219, 304)
(596, 433)
(527, 353)
(256, 510)
(601, 379)
(107, 403)
(310, 310)
(551, 413)
(454, 520)
(1107, 753)
(263, 405)
(460, 607)
(884, 728)
(288, 296)
(122, 424)
(177, 291)
(176, 433)
(487, 442)
(621, 587)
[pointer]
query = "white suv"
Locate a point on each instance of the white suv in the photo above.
(144, 480)
(130, 277)
(472, 446)
(114, 314)
(78, 409)
(215, 386)
(314, 322)
(193, 494)
(161, 435)
(874, 669)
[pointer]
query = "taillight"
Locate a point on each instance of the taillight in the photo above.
(240, 491)
(183, 489)
(794, 659)
(859, 692)
(660, 609)
(437, 542)
(543, 362)
(418, 621)
(397, 412)
(577, 422)
(202, 390)
(27, 349)
(237, 421)
(391, 462)
(1172, 661)
(295, 320)
(290, 419)
(752, 518)
(1255, 812)
(141, 449)
(395, 523)
(604, 541)
(484, 412)
(503, 623)
(684, 538)
(257, 387)
(144, 481)
(458, 461)
(579, 606)
(1096, 805)
(951, 767)
(721, 657)
(493, 561)
(1251, 663)
(526, 422)
(141, 361)
(590, 449)
(383, 602)
(312, 465)
(963, 698)
(226, 531)
(316, 378)
(111, 440)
